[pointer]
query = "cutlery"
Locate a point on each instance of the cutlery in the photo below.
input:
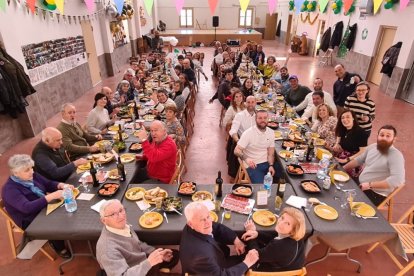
(175, 210)
(349, 190)
(151, 209)
(165, 216)
(359, 216)
(222, 218)
(250, 215)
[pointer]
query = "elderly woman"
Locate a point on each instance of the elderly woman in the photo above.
(268, 69)
(98, 119)
(283, 250)
(325, 124)
(174, 128)
(26, 193)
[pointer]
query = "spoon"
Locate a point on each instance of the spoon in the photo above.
(175, 210)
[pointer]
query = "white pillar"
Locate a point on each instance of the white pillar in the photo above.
(155, 14)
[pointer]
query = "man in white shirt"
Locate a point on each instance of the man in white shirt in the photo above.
(307, 103)
(310, 115)
(256, 148)
(244, 119)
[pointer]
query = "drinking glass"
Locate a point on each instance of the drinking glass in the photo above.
(308, 206)
(227, 214)
(84, 184)
(158, 204)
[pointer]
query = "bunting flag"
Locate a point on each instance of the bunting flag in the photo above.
(3, 5)
(377, 5)
(348, 4)
(322, 5)
(148, 6)
(179, 4)
(403, 4)
(119, 4)
(31, 5)
(59, 5)
(90, 5)
(244, 4)
(298, 5)
(212, 4)
(272, 6)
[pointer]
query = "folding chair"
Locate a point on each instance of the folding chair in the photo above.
(388, 203)
(297, 272)
(242, 177)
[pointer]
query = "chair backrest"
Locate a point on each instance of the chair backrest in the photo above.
(6, 215)
(298, 272)
(390, 202)
(242, 176)
(177, 170)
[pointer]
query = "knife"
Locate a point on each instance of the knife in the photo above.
(222, 217)
(165, 216)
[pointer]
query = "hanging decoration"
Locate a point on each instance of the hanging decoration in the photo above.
(60, 5)
(212, 4)
(148, 6)
(244, 4)
(322, 5)
(403, 4)
(304, 6)
(31, 5)
(50, 4)
(343, 50)
(389, 4)
(179, 4)
(127, 12)
(307, 18)
(298, 5)
(377, 5)
(337, 6)
(291, 5)
(3, 5)
(90, 5)
(349, 7)
(311, 6)
(272, 5)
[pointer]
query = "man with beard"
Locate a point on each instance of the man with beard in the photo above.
(282, 80)
(344, 86)
(384, 166)
(256, 148)
(296, 93)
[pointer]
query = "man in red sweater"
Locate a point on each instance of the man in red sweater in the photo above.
(160, 152)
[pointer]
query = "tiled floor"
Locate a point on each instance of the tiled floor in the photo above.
(206, 155)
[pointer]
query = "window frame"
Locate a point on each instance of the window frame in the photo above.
(239, 17)
(186, 18)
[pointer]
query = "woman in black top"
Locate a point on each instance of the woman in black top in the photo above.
(247, 87)
(283, 250)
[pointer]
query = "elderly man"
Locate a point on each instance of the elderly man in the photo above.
(344, 86)
(188, 71)
(203, 249)
(256, 148)
(160, 151)
(76, 141)
(383, 166)
(120, 252)
(112, 105)
(244, 119)
(308, 105)
(50, 159)
(296, 93)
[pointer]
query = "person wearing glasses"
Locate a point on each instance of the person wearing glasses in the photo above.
(119, 250)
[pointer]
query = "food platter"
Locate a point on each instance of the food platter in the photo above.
(150, 220)
(149, 117)
(108, 189)
(285, 154)
(127, 157)
(154, 194)
(319, 142)
(124, 136)
(113, 128)
(103, 143)
(187, 188)
(294, 169)
(273, 125)
(242, 190)
(135, 147)
(288, 144)
(310, 186)
(299, 121)
(85, 167)
(326, 212)
(135, 193)
(201, 196)
(102, 158)
(278, 134)
(264, 218)
(171, 203)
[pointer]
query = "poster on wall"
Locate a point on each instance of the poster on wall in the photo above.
(50, 58)
(120, 34)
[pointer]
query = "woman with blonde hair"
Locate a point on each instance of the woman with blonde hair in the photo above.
(325, 124)
(283, 250)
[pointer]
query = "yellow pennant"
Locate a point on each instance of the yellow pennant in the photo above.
(377, 5)
(244, 4)
(59, 5)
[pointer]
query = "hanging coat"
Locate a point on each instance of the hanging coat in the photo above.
(278, 28)
(352, 36)
(326, 38)
(390, 59)
(337, 34)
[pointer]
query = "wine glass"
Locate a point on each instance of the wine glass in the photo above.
(84, 184)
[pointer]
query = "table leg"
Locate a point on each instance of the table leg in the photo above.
(328, 253)
(90, 254)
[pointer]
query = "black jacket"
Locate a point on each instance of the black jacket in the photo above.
(343, 89)
(337, 34)
(352, 36)
(326, 38)
(390, 58)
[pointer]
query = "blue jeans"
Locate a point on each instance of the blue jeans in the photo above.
(257, 175)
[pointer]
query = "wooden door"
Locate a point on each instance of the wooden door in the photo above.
(321, 30)
(87, 32)
(270, 29)
(288, 30)
(384, 42)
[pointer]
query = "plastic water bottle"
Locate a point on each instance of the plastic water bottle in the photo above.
(70, 202)
(323, 167)
(267, 183)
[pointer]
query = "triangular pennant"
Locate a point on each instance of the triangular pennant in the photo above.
(119, 4)
(31, 5)
(179, 4)
(148, 6)
(272, 6)
(44, 14)
(348, 4)
(59, 5)
(244, 4)
(3, 5)
(377, 5)
(51, 16)
(213, 5)
(298, 5)
(90, 5)
(322, 5)
(58, 17)
(403, 4)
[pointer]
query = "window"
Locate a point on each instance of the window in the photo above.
(246, 18)
(187, 17)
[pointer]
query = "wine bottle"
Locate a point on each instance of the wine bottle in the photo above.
(280, 193)
(121, 170)
(310, 152)
(136, 112)
(219, 185)
(93, 174)
(120, 133)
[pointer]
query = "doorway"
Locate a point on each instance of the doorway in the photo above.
(87, 32)
(321, 30)
(384, 42)
(270, 29)
(289, 29)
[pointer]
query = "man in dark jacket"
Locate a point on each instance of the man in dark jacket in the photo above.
(344, 86)
(203, 249)
(50, 158)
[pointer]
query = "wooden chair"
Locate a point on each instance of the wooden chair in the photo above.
(298, 272)
(12, 228)
(242, 177)
(175, 179)
(388, 203)
(406, 234)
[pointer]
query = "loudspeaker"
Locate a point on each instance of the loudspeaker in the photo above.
(215, 21)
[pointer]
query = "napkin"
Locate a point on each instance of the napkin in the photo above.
(143, 205)
(85, 196)
(96, 207)
(296, 201)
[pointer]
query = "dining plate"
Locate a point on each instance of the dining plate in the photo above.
(187, 188)
(319, 142)
(294, 169)
(264, 218)
(278, 134)
(135, 193)
(363, 209)
(124, 136)
(299, 121)
(84, 167)
(102, 143)
(201, 196)
(127, 157)
(326, 212)
(285, 154)
(150, 220)
(213, 216)
(310, 186)
(339, 176)
(113, 128)
(153, 194)
(56, 204)
(149, 118)
(135, 147)
(102, 158)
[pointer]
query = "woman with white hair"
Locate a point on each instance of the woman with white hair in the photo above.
(26, 193)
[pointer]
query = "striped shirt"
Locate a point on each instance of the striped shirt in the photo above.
(360, 109)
